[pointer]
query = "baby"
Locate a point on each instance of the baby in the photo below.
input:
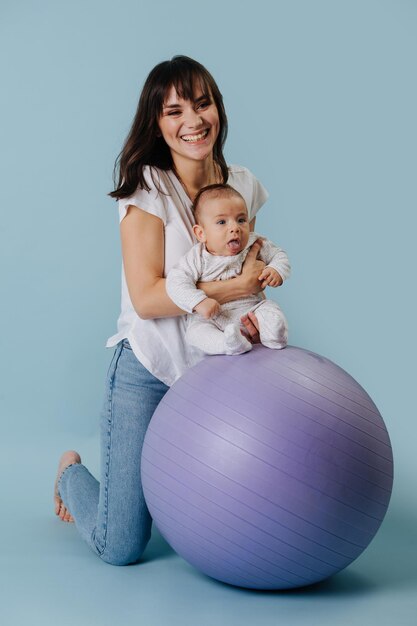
(222, 229)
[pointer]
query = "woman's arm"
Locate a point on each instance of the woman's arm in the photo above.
(142, 236)
(250, 321)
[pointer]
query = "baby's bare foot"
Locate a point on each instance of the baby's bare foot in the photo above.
(68, 458)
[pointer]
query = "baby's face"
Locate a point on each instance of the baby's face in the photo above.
(224, 225)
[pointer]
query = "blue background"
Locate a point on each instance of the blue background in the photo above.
(321, 98)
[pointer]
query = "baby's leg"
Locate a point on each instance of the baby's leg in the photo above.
(273, 327)
(205, 335)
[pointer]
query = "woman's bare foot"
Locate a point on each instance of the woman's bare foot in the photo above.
(68, 458)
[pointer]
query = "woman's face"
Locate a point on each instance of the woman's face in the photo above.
(190, 128)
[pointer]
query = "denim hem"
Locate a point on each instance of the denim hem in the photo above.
(64, 471)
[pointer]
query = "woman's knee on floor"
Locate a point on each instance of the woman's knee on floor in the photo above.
(126, 552)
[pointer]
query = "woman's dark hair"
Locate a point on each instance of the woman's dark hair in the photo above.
(144, 145)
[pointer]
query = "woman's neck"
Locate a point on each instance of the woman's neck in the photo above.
(193, 175)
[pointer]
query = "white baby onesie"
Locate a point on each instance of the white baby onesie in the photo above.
(221, 335)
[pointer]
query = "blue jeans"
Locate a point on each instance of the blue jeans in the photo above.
(111, 515)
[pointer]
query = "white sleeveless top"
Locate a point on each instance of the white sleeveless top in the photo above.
(159, 344)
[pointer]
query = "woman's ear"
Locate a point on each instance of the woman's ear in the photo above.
(199, 233)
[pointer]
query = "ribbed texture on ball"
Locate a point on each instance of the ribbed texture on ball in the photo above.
(269, 470)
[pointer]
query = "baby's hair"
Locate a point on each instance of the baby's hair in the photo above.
(218, 190)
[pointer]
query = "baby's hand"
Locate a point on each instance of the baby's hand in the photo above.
(270, 278)
(208, 308)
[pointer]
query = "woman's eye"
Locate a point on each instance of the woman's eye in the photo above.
(174, 112)
(203, 105)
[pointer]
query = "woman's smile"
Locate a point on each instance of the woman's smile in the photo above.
(196, 138)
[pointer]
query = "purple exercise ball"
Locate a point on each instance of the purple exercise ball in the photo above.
(268, 470)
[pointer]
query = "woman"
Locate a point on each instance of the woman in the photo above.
(174, 148)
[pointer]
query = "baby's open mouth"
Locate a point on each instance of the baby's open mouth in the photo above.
(194, 138)
(234, 245)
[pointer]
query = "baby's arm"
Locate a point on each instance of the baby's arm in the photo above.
(277, 267)
(181, 285)
(208, 308)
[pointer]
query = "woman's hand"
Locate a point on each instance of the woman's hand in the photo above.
(251, 325)
(252, 269)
